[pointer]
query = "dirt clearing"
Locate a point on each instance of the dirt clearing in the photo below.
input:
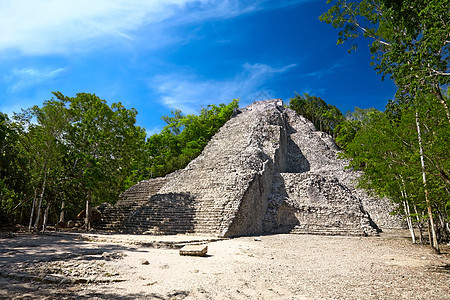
(68, 266)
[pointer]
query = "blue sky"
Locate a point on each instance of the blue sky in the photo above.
(160, 55)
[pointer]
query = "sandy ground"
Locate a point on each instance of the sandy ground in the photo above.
(268, 267)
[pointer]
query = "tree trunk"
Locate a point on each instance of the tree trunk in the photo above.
(88, 212)
(33, 208)
(434, 243)
(44, 223)
(38, 215)
(408, 220)
(419, 224)
(407, 211)
(430, 239)
(61, 214)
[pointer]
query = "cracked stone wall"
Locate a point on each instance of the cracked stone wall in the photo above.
(266, 170)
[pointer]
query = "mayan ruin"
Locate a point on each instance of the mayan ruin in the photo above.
(267, 170)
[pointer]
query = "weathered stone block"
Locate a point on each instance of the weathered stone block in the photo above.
(194, 250)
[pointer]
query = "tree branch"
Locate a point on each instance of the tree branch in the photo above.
(371, 35)
(439, 72)
(353, 19)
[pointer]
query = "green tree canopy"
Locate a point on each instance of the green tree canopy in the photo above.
(13, 178)
(386, 148)
(79, 150)
(325, 117)
(184, 137)
(411, 40)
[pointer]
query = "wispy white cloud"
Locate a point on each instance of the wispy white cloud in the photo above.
(189, 92)
(59, 26)
(64, 26)
(325, 71)
(27, 77)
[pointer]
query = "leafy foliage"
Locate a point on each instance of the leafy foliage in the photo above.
(12, 176)
(184, 137)
(74, 149)
(411, 40)
(386, 148)
(411, 45)
(345, 131)
(325, 117)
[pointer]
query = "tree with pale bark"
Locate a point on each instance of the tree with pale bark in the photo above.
(410, 44)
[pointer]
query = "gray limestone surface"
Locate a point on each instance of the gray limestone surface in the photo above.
(267, 170)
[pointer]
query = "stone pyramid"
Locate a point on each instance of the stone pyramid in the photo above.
(267, 170)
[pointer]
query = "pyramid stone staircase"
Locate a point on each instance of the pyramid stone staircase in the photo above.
(114, 217)
(266, 170)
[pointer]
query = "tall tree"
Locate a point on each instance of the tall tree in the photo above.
(75, 152)
(43, 145)
(395, 158)
(104, 141)
(13, 176)
(411, 40)
(411, 45)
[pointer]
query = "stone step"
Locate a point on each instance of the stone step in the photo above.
(328, 231)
